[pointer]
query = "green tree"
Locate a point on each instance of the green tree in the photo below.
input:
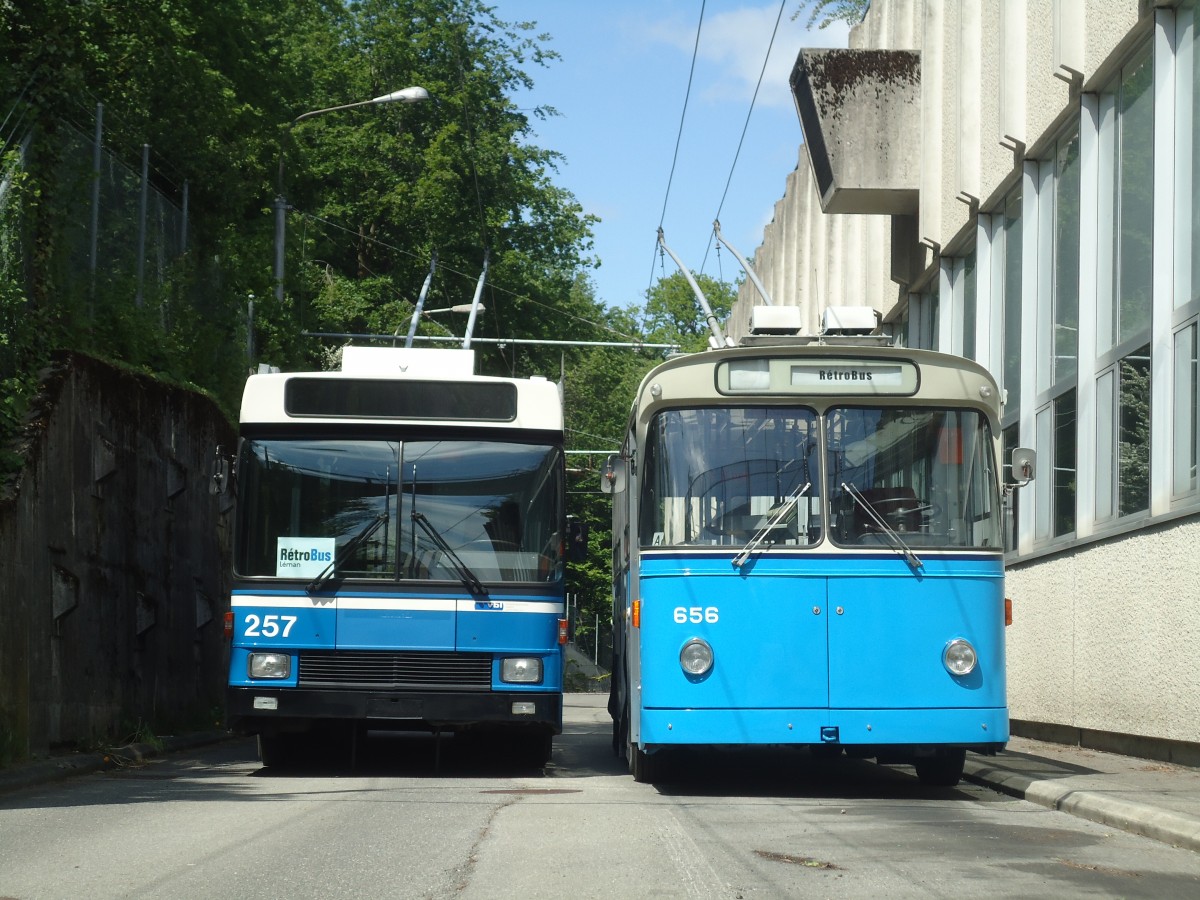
(673, 315)
(824, 13)
(386, 188)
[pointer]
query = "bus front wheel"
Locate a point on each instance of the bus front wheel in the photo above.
(646, 767)
(274, 750)
(943, 769)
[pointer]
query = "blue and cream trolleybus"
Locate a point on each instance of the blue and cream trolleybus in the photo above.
(399, 554)
(808, 549)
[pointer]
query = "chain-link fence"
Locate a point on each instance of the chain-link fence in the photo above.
(124, 231)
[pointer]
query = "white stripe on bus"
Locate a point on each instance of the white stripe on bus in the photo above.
(410, 604)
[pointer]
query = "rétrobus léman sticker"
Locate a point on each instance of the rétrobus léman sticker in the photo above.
(301, 557)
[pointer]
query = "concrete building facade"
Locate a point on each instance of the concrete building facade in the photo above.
(1018, 181)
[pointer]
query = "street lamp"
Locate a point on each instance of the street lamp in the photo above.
(405, 95)
(457, 307)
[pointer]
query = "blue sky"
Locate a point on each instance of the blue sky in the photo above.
(620, 89)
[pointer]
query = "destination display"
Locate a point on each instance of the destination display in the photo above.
(828, 375)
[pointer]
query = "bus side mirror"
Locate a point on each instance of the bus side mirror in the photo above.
(612, 479)
(577, 540)
(1024, 462)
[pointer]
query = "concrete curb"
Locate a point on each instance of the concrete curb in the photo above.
(1171, 828)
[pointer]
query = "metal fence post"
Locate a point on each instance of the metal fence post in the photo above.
(93, 250)
(183, 223)
(141, 242)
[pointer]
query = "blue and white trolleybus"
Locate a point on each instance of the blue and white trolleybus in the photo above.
(399, 554)
(808, 549)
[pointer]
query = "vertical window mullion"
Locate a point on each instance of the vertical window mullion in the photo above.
(1028, 338)
(1045, 275)
(1106, 218)
(950, 286)
(1161, 354)
(1089, 276)
(986, 327)
(1187, 215)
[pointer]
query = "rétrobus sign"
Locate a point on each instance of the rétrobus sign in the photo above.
(818, 376)
(301, 557)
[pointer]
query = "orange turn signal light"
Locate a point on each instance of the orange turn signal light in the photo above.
(1007, 611)
(635, 614)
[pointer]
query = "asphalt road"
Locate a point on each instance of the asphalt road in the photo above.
(415, 820)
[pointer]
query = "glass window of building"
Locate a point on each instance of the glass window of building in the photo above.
(1186, 421)
(1133, 432)
(1126, 213)
(1185, 409)
(1127, 139)
(1066, 259)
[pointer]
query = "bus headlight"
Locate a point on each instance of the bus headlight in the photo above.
(696, 657)
(959, 657)
(270, 665)
(521, 670)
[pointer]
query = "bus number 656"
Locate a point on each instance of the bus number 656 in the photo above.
(696, 614)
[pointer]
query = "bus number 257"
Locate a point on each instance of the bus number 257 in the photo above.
(696, 614)
(269, 626)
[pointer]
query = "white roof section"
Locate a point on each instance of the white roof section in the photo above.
(538, 401)
(408, 361)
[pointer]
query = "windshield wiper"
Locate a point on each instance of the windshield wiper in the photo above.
(345, 552)
(911, 558)
(469, 578)
(772, 524)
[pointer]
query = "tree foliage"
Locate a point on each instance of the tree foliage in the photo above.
(215, 88)
(673, 313)
(824, 13)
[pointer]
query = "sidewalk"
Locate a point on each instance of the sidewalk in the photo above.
(55, 768)
(1142, 796)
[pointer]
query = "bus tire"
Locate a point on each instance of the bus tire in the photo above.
(536, 749)
(943, 769)
(647, 768)
(274, 750)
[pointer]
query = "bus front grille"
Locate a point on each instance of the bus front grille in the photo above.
(374, 670)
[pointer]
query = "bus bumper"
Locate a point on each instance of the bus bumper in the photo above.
(982, 728)
(264, 710)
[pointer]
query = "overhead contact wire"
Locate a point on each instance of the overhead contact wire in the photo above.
(746, 125)
(679, 135)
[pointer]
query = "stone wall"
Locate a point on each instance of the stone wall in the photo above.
(115, 561)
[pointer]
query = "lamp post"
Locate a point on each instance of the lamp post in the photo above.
(457, 308)
(405, 95)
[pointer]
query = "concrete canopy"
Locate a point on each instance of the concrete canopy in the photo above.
(859, 110)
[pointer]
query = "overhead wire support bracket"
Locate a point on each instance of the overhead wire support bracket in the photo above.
(717, 336)
(749, 270)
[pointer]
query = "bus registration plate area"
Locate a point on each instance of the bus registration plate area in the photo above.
(395, 708)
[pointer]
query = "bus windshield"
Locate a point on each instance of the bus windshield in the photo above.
(926, 475)
(497, 506)
(715, 476)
